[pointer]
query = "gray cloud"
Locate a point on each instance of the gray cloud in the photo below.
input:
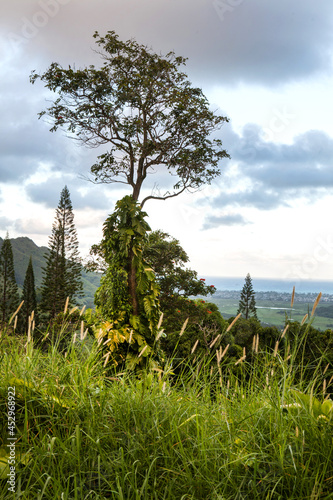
(254, 197)
(275, 174)
(306, 163)
(5, 223)
(226, 42)
(48, 193)
(213, 221)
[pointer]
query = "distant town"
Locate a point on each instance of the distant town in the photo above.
(276, 296)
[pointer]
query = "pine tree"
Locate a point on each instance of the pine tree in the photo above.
(9, 297)
(29, 298)
(62, 274)
(247, 303)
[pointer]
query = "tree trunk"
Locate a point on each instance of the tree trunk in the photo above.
(136, 191)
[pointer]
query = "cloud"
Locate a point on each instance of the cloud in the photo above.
(82, 196)
(5, 223)
(254, 197)
(32, 226)
(226, 42)
(267, 175)
(306, 163)
(213, 221)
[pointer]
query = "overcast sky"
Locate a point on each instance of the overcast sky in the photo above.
(265, 65)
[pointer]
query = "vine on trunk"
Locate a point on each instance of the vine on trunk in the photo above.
(128, 298)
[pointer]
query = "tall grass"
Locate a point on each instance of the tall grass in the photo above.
(219, 430)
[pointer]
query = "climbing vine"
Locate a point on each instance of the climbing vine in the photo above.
(128, 298)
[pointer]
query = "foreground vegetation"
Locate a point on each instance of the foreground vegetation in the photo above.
(219, 429)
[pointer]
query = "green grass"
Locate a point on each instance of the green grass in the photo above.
(219, 434)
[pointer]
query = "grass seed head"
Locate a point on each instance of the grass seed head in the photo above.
(160, 322)
(304, 319)
(15, 313)
(276, 348)
(292, 297)
(143, 350)
(106, 359)
(66, 305)
(316, 303)
(225, 350)
(240, 360)
(257, 344)
(233, 322)
(183, 327)
(195, 346)
(214, 341)
(284, 331)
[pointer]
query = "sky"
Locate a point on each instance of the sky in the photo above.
(267, 66)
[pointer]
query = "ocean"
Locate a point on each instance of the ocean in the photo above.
(272, 285)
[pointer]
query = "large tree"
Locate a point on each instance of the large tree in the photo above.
(9, 297)
(142, 107)
(62, 274)
(247, 303)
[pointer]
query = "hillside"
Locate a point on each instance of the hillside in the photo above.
(24, 248)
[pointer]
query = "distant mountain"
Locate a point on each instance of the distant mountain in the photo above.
(24, 248)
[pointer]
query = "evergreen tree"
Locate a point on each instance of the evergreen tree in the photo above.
(29, 297)
(247, 303)
(9, 297)
(62, 274)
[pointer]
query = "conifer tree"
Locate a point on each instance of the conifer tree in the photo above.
(62, 274)
(247, 303)
(29, 298)
(9, 297)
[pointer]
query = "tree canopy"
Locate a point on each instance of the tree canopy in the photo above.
(168, 259)
(143, 108)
